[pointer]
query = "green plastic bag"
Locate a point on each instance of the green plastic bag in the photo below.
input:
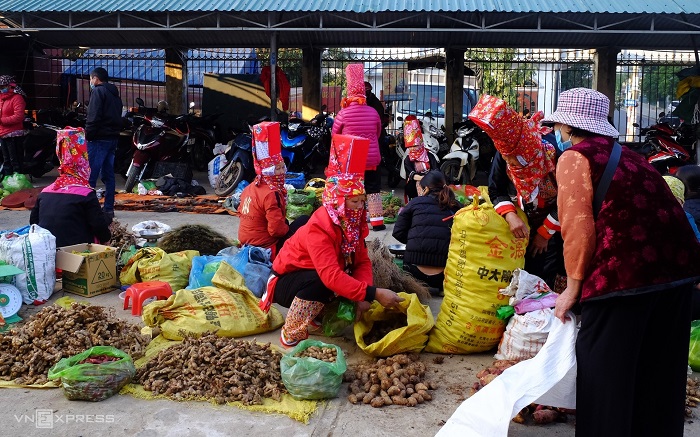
(93, 382)
(296, 211)
(309, 378)
(339, 314)
(694, 350)
(16, 182)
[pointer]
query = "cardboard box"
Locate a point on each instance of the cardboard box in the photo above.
(88, 275)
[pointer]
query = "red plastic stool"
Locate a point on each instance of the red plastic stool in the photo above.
(141, 291)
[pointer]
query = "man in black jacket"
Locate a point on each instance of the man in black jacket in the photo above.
(104, 122)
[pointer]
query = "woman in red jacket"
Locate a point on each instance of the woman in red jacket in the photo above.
(358, 119)
(12, 131)
(327, 257)
(263, 205)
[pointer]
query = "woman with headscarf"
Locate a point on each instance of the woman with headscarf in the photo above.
(358, 119)
(12, 130)
(69, 208)
(418, 162)
(327, 257)
(631, 261)
(263, 206)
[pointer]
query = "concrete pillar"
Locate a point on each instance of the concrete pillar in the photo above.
(604, 73)
(176, 80)
(311, 82)
(454, 94)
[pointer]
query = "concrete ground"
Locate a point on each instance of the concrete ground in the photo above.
(129, 416)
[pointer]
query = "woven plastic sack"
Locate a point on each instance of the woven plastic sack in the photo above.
(310, 378)
(154, 264)
(33, 252)
(482, 257)
(410, 338)
(93, 382)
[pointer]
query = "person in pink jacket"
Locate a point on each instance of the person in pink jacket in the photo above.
(12, 131)
(358, 119)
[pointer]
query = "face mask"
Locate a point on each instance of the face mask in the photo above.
(562, 145)
(92, 86)
(4, 90)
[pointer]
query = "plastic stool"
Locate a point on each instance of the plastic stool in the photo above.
(141, 291)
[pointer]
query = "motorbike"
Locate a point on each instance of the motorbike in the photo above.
(402, 154)
(306, 144)
(662, 149)
(161, 137)
(204, 134)
(470, 149)
(239, 163)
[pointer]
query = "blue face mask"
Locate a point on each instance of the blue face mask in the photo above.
(562, 145)
(4, 90)
(92, 86)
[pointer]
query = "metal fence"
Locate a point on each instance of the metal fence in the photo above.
(405, 80)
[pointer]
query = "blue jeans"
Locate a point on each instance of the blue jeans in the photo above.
(101, 157)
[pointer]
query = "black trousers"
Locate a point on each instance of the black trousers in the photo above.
(434, 281)
(293, 228)
(373, 181)
(12, 154)
(632, 354)
(304, 284)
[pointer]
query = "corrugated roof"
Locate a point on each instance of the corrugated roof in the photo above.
(358, 6)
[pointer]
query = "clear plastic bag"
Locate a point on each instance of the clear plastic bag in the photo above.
(310, 378)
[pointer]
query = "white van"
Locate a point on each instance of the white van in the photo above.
(425, 92)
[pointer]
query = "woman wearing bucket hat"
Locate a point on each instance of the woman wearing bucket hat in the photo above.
(358, 119)
(327, 257)
(524, 169)
(631, 260)
(12, 131)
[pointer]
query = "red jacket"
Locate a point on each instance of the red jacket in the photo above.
(262, 213)
(11, 113)
(316, 246)
(362, 121)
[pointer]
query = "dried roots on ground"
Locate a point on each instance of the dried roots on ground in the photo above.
(396, 380)
(389, 275)
(692, 396)
(30, 350)
(194, 237)
(215, 368)
(121, 236)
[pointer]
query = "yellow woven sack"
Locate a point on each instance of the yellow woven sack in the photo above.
(227, 308)
(411, 338)
(483, 254)
(154, 264)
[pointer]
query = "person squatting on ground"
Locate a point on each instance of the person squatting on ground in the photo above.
(102, 127)
(68, 208)
(631, 260)
(358, 119)
(524, 168)
(425, 226)
(327, 257)
(419, 161)
(12, 132)
(263, 206)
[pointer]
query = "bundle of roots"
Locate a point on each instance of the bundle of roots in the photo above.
(389, 275)
(194, 237)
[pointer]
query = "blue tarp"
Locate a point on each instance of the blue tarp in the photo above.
(149, 65)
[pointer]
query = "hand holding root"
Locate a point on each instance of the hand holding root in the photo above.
(387, 298)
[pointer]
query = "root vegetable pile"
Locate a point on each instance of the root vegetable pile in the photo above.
(121, 237)
(217, 368)
(328, 354)
(489, 374)
(692, 395)
(29, 351)
(396, 380)
(381, 328)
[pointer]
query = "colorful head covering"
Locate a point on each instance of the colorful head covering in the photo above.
(267, 153)
(71, 150)
(413, 140)
(9, 80)
(677, 188)
(345, 178)
(585, 109)
(530, 159)
(355, 75)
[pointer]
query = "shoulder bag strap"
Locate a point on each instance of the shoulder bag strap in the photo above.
(605, 180)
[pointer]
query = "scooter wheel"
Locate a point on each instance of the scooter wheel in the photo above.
(229, 178)
(131, 178)
(451, 168)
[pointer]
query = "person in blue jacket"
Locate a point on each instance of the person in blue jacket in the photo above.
(425, 226)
